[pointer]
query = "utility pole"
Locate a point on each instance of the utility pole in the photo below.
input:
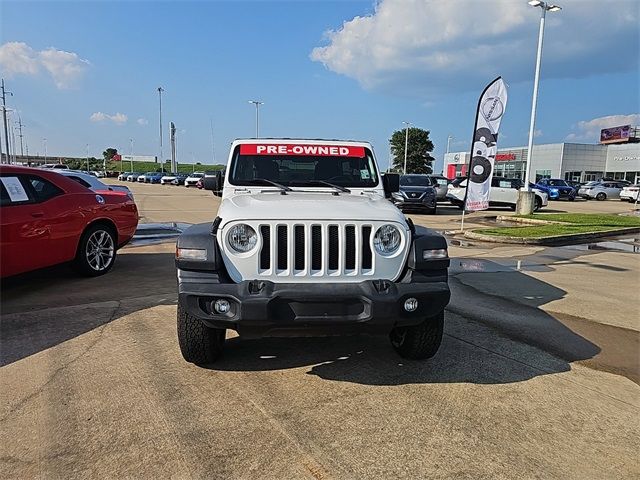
(20, 125)
(160, 90)
(44, 141)
(13, 144)
(406, 146)
(87, 158)
(4, 116)
(257, 103)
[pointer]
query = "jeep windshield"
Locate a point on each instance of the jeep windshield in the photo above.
(316, 166)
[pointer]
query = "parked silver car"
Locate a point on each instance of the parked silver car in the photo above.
(601, 190)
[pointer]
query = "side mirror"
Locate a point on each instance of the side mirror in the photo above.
(213, 183)
(390, 183)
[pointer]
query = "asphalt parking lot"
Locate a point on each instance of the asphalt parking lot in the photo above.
(538, 375)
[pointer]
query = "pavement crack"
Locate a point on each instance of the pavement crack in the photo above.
(311, 464)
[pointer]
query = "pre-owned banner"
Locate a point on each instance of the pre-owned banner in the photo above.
(484, 144)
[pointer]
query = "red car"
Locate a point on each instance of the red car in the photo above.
(47, 219)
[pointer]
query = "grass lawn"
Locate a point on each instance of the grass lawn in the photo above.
(573, 223)
(594, 219)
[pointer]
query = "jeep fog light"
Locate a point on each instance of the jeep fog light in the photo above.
(242, 238)
(411, 304)
(387, 240)
(191, 253)
(434, 254)
(221, 305)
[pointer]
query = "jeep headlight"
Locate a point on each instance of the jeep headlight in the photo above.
(387, 240)
(242, 238)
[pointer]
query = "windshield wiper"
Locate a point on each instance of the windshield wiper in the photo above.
(283, 189)
(326, 184)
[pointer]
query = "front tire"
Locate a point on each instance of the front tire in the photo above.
(199, 344)
(96, 251)
(601, 196)
(420, 341)
(538, 204)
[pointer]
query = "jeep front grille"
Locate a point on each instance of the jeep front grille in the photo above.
(317, 248)
(315, 251)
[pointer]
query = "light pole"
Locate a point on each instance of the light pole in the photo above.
(257, 103)
(545, 7)
(406, 145)
(87, 158)
(160, 90)
(449, 138)
(131, 152)
(44, 142)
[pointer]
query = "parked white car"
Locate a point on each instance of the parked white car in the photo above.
(133, 176)
(123, 176)
(503, 193)
(630, 193)
(192, 180)
(143, 178)
(601, 190)
(168, 179)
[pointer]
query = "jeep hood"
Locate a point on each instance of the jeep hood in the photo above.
(308, 206)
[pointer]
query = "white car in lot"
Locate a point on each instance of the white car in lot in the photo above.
(630, 193)
(503, 193)
(168, 179)
(133, 176)
(123, 176)
(601, 190)
(192, 180)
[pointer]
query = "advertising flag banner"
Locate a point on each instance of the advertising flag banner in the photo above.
(484, 144)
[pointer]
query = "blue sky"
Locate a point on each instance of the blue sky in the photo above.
(350, 69)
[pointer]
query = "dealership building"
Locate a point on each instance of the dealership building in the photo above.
(616, 157)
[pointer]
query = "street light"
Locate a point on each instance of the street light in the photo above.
(545, 7)
(406, 145)
(160, 90)
(131, 156)
(44, 141)
(257, 103)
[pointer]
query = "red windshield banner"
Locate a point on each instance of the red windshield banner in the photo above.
(297, 149)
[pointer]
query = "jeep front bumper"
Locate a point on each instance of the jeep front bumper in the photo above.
(263, 308)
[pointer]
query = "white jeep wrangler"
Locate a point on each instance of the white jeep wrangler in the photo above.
(306, 243)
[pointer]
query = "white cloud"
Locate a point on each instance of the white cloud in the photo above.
(537, 133)
(65, 68)
(17, 58)
(425, 46)
(590, 129)
(118, 118)
(142, 121)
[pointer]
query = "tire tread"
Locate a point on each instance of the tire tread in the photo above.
(199, 344)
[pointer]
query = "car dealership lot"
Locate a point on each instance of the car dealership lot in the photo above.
(537, 375)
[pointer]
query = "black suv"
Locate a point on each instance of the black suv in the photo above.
(416, 193)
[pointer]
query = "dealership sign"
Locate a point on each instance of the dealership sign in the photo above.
(505, 157)
(615, 134)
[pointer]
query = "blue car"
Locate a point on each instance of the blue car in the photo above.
(558, 189)
(155, 177)
(551, 193)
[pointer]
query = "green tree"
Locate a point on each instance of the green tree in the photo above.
(419, 159)
(109, 153)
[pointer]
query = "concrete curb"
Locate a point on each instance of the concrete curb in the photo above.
(528, 221)
(555, 240)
